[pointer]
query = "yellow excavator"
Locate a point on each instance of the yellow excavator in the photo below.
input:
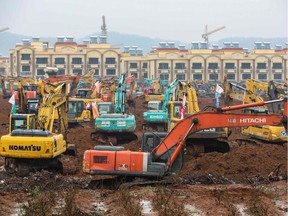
(266, 133)
(154, 93)
(37, 141)
(211, 139)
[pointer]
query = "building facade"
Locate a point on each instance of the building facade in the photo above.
(166, 61)
(4, 66)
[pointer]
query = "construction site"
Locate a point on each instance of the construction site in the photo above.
(175, 148)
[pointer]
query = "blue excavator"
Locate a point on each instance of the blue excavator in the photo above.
(114, 125)
(156, 118)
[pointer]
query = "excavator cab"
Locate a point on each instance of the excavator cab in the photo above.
(77, 112)
(22, 121)
(105, 107)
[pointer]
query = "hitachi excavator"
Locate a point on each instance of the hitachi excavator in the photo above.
(37, 142)
(166, 156)
(266, 133)
(114, 124)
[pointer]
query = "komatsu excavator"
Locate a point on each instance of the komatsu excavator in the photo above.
(266, 133)
(167, 155)
(36, 142)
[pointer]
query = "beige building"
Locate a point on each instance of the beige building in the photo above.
(4, 65)
(165, 61)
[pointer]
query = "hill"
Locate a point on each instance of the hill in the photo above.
(8, 41)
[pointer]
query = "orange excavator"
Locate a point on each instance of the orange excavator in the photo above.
(167, 155)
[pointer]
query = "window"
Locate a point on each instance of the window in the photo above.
(61, 71)
(110, 61)
(229, 66)
(180, 76)
(180, 66)
(40, 72)
(133, 65)
(100, 159)
(145, 65)
(231, 76)
(277, 66)
(26, 68)
(2, 70)
(111, 72)
(93, 61)
(41, 60)
(163, 66)
(59, 61)
(197, 76)
(134, 74)
(262, 76)
(77, 71)
(278, 76)
(213, 66)
(246, 76)
(261, 65)
(164, 76)
(25, 57)
(196, 65)
(245, 66)
(145, 75)
(213, 76)
(76, 60)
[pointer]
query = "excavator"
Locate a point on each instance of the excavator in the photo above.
(186, 102)
(27, 95)
(37, 141)
(266, 133)
(153, 90)
(156, 118)
(8, 85)
(166, 156)
(77, 111)
(277, 90)
(114, 124)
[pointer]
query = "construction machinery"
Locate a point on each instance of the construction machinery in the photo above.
(37, 141)
(266, 133)
(27, 95)
(277, 90)
(77, 111)
(206, 34)
(156, 118)
(167, 156)
(153, 92)
(113, 124)
(8, 85)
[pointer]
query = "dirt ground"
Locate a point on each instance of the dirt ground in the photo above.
(231, 183)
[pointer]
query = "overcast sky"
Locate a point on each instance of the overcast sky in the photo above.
(182, 20)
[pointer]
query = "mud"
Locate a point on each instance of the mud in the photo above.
(209, 183)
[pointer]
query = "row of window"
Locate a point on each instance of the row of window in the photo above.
(74, 60)
(213, 66)
(215, 76)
